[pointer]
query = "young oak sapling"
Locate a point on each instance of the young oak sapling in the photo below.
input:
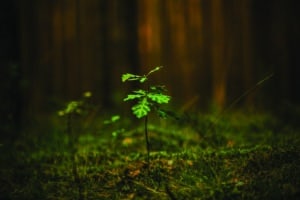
(147, 99)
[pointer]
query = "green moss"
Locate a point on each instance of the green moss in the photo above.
(244, 156)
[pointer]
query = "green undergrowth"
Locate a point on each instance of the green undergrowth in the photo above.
(237, 156)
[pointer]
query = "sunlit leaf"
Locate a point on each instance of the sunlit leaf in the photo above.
(147, 99)
(141, 109)
(136, 95)
(130, 77)
(115, 118)
(143, 79)
(159, 98)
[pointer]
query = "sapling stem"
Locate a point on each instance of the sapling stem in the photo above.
(147, 141)
(72, 108)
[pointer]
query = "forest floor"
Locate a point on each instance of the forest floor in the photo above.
(242, 155)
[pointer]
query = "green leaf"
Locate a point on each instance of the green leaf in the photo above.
(125, 77)
(73, 107)
(87, 94)
(136, 95)
(113, 119)
(143, 79)
(132, 96)
(130, 77)
(141, 109)
(159, 98)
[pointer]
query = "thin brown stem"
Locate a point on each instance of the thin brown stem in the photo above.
(147, 140)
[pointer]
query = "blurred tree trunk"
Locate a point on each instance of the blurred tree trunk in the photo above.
(212, 50)
(149, 33)
(120, 48)
(171, 34)
(31, 56)
(278, 38)
(219, 65)
(239, 52)
(275, 30)
(69, 47)
(247, 49)
(10, 84)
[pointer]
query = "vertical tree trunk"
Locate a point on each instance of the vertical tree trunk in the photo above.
(279, 52)
(120, 47)
(30, 56)
(149, 33)
(247, 49)
(180, 27)
(71, 58)
(209, 48)
(219, 67)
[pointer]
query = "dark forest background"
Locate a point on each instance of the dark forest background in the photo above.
(212, 52)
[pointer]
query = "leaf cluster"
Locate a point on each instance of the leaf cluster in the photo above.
(140, 78)
(75, 107)
(147, 99)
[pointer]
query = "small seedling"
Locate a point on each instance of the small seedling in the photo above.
(75, 107)
(71, 109)
(147, 99)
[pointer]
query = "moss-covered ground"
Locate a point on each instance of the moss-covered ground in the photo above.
(240, 155)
